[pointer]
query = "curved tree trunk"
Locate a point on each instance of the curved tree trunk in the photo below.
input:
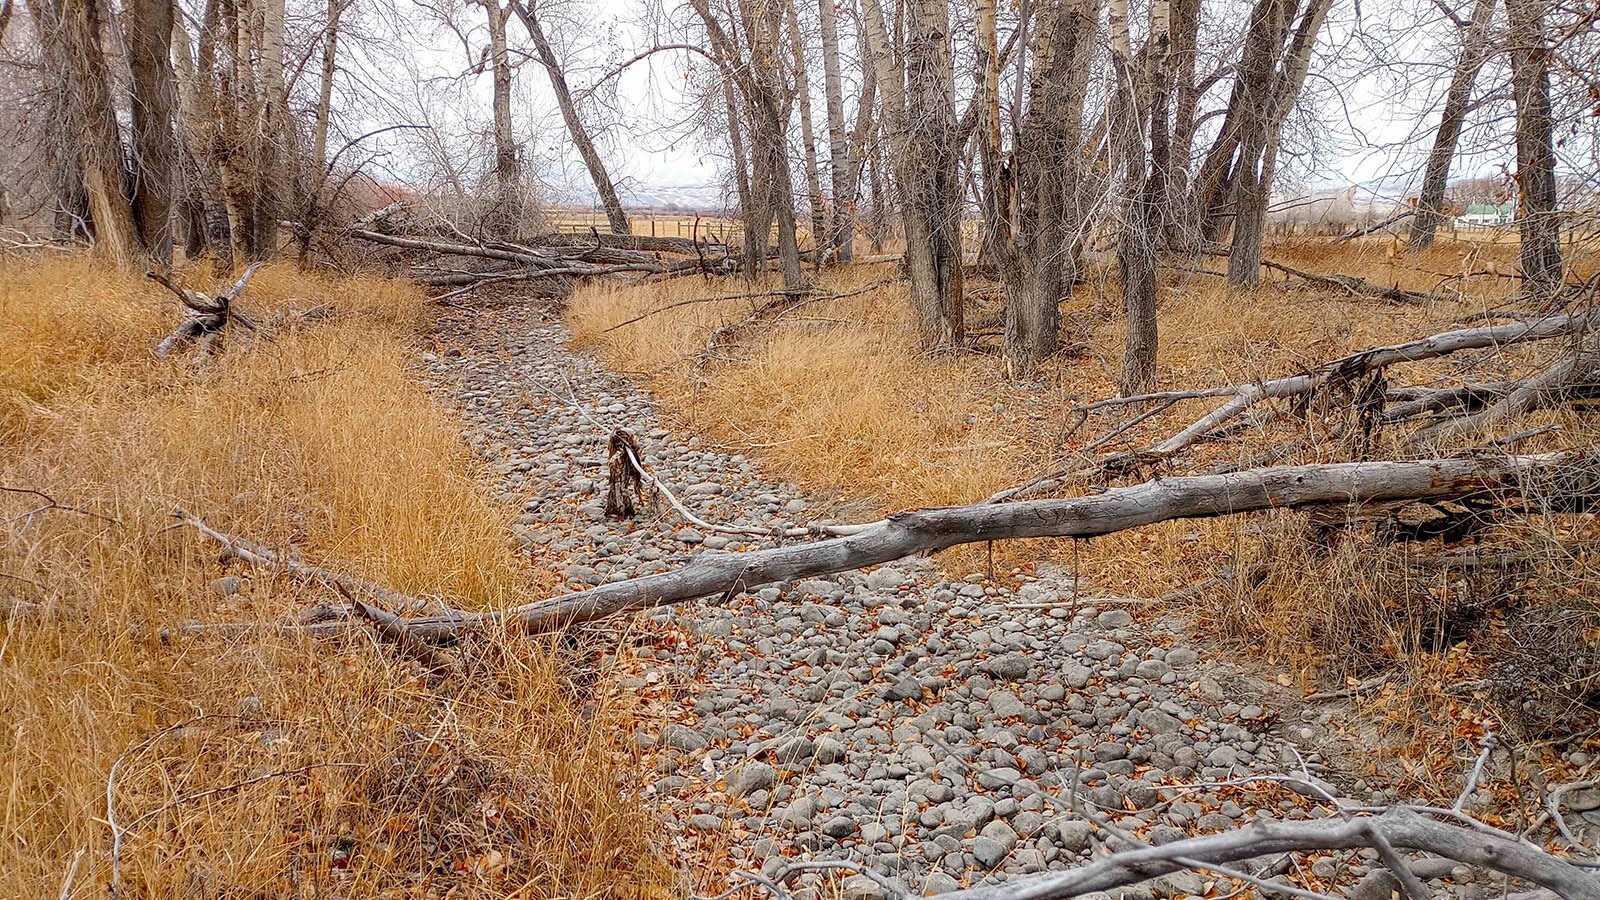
(1436, 176)
(575, 127)
(100, 145)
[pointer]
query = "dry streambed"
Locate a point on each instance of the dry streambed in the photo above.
(915, 723)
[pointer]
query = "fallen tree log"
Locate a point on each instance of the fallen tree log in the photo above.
(1577, 375)
(565, 260)
(1465, 841)
(1556, 481)
(1242, 397)
(1361, 287)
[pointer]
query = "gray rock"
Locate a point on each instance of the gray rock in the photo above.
(861, 887)
(1114, 618)
(1431, 867)
(683, 738)
(1010, 667)
(705, 822)
(1182, 657)
(886, 578)
(1072, 834)
(1006, 705)
(839, 827)
(1377, 885)
(939, 882)
(1158, 722)
(796, 749)
(904, 689)
(829, 750)
(994, 844)
(751, 777)
(226, 586)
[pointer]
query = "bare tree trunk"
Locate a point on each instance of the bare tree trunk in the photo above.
(1436, 176)
(1136, 248)
(839, 155)
(575, 127)
(919, 117)
(149, 39)
(1037, 262)
(1177, 189)
(100, 149)
(316, 174)
(751, 207)
(508, 187)
(1268, 21)
(820, 240)
(1537, 216)
(275, 132)
(200, 130)
(764, 93)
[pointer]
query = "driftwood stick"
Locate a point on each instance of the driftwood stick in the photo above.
(207, 316)
(264, 557)
(1578, 374)
(393, 630)
(1404, 828)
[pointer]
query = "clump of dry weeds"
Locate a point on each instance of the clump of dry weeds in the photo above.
(256, 762)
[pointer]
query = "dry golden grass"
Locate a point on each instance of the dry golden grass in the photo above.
(306, 767)
(838, 397)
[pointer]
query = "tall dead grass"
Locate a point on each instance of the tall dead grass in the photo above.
(256, 762)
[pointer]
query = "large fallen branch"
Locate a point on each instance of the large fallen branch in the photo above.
(1361, 287)
(1577, 375)
(264, 557)
(1242, 397)
(1557, 481)
(1386, 830)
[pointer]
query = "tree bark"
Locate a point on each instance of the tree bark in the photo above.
(1264, 38)
(839, 156)
(575, 127)
(1436, 175)
(1538, 220)
(820, 240)
(1037, 263)
(919, 117)
(507, 215)
(1136, 247)
(100, 148)
(201, 133)
(148, 28)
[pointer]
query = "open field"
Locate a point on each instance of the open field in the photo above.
(255, 763)
(836, 396)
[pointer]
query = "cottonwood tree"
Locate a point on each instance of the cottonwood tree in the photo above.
(918, 117)
(1475, 46)
(846, 148)
(1538, 220)
(1136, 245)
(528, 13)
(1032, 195)
(757, 71)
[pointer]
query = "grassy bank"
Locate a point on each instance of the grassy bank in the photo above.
(255, 762)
